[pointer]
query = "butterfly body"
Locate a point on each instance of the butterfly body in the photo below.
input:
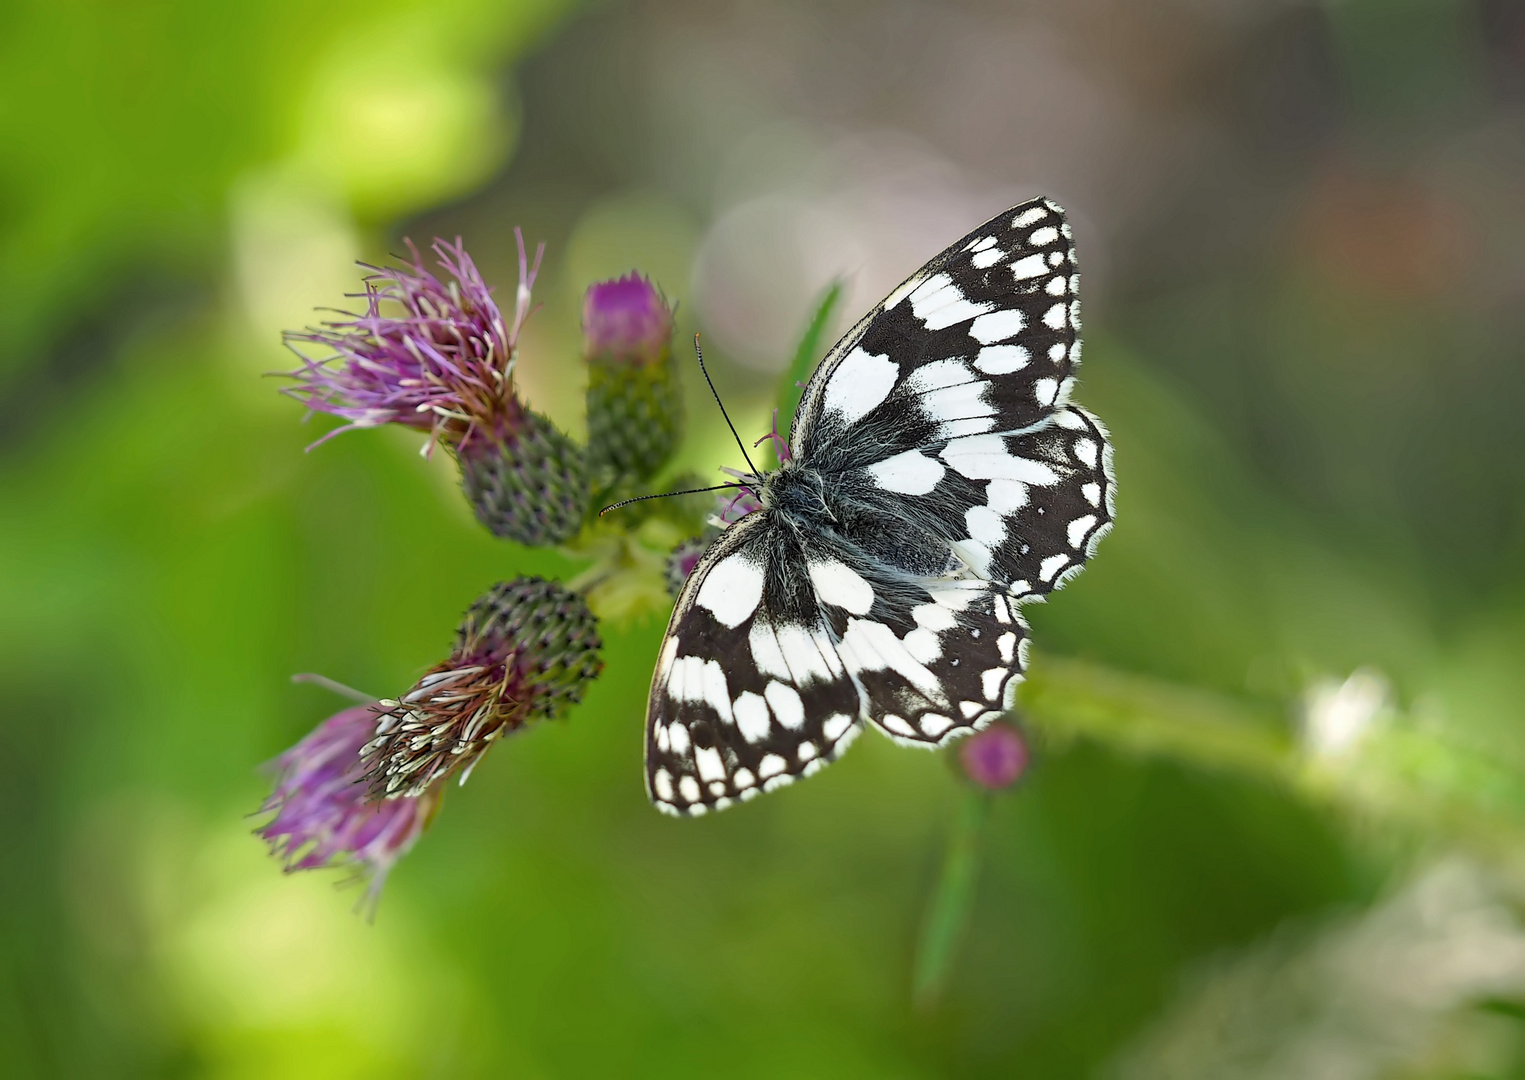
(938, 478)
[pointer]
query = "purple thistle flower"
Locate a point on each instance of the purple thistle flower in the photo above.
(322, 817)
(626, 321)
(994, 758)
(430, 354)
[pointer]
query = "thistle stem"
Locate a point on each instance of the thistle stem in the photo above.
(952, 899)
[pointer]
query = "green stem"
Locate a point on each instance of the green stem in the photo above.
(948, 913)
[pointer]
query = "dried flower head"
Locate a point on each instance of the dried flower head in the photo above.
(322, 816)
(525, 651)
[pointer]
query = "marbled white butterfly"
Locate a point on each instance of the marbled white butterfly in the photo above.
(938, 478)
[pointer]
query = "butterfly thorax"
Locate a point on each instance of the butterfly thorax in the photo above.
(796, 492)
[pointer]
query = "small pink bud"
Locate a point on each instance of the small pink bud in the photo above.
(994, 758)
(626, 321)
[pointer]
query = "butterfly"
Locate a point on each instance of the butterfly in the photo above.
(938, 477)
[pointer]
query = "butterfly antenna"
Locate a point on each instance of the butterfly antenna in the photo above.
(702, 370)
(667, 495)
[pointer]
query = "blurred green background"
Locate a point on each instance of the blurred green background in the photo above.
(1276, 821)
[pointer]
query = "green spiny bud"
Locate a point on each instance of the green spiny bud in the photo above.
(529, 483)
(635, 404)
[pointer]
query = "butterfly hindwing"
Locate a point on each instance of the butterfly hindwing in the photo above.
(749, 690)
(934, 658)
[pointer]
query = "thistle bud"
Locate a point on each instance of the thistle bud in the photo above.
(635, 405)
(322, 817)
(528, 482)
(681, 562)
(438, 357)
(525, 651)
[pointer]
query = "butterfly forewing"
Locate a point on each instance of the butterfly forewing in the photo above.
(983, 338)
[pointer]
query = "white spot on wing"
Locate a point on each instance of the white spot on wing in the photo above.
(1006, 496)
(752, 717)
(767, 656)
(661, 783)
(934, 617)
(840, 585)
(987, 258)
(1041, 237)
(1052, 565)
(771, 765)
(805, 661)
(860, 382)
(940, 303)
(677, 734)
(1002, 359)
(731, 590)
(997, 326)
(1006, 644)
(1078, 529)
(707, 758)
(1054, 317)
(1085, 450)
(985, 457)
(985, 525)
(1091, 493)
(1029, 266)
(787, 707)
(688, 787)
(898, 726)
(974, 555)
(908, 473)
(835, 726)
(924, 645)
(990, 682)
(934, 724)
(1031, 216)
(936, 375)
(958, 402)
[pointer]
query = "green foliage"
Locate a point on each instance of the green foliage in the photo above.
(171, 556)
(806, 355)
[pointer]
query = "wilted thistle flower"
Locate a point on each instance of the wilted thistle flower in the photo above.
(525, 651)
(994, 758)
(437, 356)
(322, 816)
(635, 405)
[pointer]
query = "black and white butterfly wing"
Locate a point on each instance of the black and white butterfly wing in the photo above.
(749, 690)
(948, 405)
(959, 481)
(782, 644)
